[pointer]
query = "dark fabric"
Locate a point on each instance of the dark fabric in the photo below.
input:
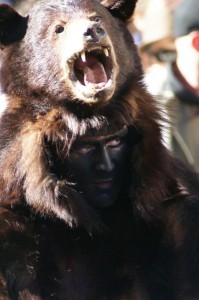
(183, 111)
(186, 17)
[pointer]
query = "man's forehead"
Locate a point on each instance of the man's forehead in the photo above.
(95, 138)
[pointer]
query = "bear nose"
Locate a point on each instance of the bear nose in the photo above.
(94, 33)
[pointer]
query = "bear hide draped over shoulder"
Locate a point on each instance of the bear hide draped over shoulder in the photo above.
(68, 68)
(61, 91)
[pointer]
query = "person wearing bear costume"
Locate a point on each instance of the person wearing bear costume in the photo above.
(92, 205)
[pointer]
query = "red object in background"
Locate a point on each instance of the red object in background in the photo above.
(195, 41)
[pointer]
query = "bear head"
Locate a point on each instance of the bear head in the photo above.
(68, 50)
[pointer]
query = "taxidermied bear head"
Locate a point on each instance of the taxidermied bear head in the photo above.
(69, 50)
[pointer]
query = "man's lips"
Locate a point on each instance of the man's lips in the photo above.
(103, 183)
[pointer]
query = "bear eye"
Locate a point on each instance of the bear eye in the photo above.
(97, 19)
(59, 28)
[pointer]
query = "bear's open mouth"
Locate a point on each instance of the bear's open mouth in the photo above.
(93, 68)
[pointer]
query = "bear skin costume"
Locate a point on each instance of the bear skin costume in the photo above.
(68, 69)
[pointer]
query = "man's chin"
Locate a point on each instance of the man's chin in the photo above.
(102, 200)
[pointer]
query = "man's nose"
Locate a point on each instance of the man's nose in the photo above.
(104, 162)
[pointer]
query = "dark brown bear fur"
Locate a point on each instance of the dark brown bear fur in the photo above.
(53, 245)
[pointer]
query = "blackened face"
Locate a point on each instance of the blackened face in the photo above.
(98, 166)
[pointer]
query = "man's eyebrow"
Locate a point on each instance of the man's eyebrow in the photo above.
(83, 143)
(118, 134)
(98, 139)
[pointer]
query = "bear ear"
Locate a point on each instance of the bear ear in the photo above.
(122, 9)
(12, 25)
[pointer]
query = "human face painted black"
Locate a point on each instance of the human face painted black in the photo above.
(98, 166)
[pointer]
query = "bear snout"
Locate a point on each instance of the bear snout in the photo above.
(94, 33)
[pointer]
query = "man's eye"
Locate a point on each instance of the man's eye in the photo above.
(114, 143)
(83, 150)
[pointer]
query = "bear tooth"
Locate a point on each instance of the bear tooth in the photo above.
(106, 52)
(83, 56)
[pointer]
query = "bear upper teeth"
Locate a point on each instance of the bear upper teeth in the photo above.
(83, 56)
(106, 52)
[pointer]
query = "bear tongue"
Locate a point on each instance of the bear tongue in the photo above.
(94, 72)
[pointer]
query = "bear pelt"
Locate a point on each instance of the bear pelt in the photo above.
(70, 68)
